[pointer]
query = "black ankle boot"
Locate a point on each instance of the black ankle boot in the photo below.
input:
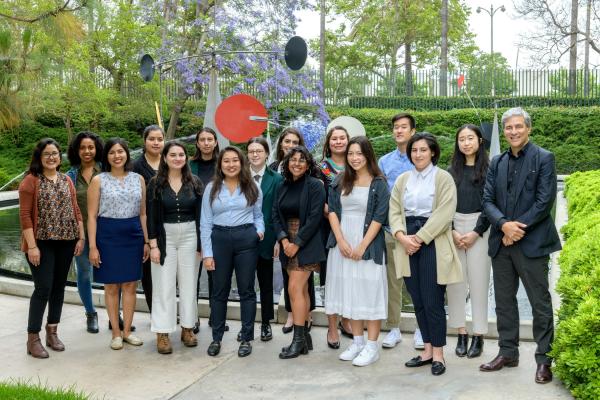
(476, 347)
(461, 345)
(298, 345)
(92, 322)
(309, 343)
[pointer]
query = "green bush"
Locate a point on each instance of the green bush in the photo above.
(450, 103)
(576, 347)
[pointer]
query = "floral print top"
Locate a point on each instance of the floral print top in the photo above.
(120, 198)
(57, 220)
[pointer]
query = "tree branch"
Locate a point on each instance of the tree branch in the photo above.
(51, 13)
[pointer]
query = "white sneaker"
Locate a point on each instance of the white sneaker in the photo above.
(367, 356)
(418, 340)
(392, 339)
(133, 340)
(351, 352)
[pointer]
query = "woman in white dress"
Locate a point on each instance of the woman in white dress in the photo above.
(356, 285)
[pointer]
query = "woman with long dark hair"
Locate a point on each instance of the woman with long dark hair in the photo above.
(357, 283)
(269, 181)
(147, 166)
(470, 233)
(231, 227)
(85, 153)
(297, 215)
(117, 235)
(52, 232)
(174, 203)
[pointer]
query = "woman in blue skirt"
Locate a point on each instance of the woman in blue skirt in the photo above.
(117, 235)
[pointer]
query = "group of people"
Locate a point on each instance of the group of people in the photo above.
(367, 226)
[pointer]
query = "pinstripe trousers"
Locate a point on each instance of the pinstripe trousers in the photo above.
(427, 295)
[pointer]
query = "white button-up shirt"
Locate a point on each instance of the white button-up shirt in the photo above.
(419, 192)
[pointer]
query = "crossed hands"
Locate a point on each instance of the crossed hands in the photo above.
(348, 252)
(411, 243)
(465, 241)
(513, 232)
(289, 249)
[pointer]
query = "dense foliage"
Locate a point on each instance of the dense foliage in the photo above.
(576, 347)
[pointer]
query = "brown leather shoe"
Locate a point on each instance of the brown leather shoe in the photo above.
(543, 374)
(34, 346)
(188, 338)
(52, 339)
(498, 363)
(163, 344)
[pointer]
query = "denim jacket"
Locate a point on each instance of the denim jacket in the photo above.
(377, 210)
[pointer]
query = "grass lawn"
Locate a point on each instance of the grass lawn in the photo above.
(22, 390)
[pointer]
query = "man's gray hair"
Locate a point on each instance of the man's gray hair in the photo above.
(516, 112)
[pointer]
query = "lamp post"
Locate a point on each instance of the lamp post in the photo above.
(491, 13)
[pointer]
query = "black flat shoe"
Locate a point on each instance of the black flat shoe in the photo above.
(121, 325)
(461, 345)
(197, 327)
(214, 348)
(92, 322)
(245, 349)
(287, 329)
(344, 331)
(239, 336)
(332, 345)
(266, 333)
(476, 347)
(438, 368)
(417, 362)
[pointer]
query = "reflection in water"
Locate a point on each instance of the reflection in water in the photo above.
(12, 259)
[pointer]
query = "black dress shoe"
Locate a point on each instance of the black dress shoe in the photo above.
(92, 322)
(121, 325)
(344, 331)
(543, 374)
(287, 329)
(498, 363)
(332, 345)
(476, 347)
(417, 362)
(437, 368)
(245, 349)
(266, 333)
(214, 348)
(461, 345)
(239, 336)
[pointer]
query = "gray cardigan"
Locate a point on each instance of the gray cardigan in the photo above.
(377, 210)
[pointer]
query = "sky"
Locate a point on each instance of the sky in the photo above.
(508, 30)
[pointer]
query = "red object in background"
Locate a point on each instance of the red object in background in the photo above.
(460, 81)
(233, 118)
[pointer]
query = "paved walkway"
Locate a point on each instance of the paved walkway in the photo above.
(141, 373)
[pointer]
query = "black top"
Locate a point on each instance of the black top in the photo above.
(469, 198)
(204, 169)
(180, 207)
(290, 201)
(515, 164)
(142, 167)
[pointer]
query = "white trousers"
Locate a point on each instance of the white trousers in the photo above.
(476, 265)
(180, 267)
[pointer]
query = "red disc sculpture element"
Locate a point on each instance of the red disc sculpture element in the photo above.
(241, 117)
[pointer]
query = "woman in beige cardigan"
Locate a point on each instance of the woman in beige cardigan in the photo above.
(422, 205)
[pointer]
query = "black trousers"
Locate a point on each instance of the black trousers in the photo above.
(286, 294)
(49, 279)
(234, 249)
(147, 283)
(427, 295)
(264, 273)
(509, 265)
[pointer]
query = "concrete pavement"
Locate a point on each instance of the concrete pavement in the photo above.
(141, 373)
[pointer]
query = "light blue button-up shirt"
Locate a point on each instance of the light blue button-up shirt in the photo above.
(393, 165)
(227, 210)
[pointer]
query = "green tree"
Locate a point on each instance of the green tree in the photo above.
(560, 83)
(486, 69)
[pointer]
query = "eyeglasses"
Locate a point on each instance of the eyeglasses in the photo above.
(255, 152)
(51, 155)
(298, 161)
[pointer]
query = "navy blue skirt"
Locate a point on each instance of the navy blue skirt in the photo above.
(120, 242)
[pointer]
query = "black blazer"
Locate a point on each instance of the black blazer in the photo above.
(536, 193)
(312, 201)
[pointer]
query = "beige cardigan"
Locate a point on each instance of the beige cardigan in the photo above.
(438, 228)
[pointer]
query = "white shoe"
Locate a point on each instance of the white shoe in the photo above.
(392, 339)
(133, 340)
(351, 352)
(418, 340)
(116, 343)
(367, 356)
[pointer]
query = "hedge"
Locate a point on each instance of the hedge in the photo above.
(422, 103)
(576, 347)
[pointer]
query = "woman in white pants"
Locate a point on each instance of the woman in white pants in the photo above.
(470, 232)
(174, 203)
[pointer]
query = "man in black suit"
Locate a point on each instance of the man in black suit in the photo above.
(519, 192)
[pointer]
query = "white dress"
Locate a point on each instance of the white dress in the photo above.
(355, 289)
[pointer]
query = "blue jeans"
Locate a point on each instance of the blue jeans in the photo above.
(84, 279)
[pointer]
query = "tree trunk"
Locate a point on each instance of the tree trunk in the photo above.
(573, 49)
(322, 52)
(586, 64)
(408, 81)
(174, 119)
(444, 52)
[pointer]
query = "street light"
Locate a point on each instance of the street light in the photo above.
(491, 13)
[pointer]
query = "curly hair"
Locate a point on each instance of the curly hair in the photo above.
(73, 150)
(313, 169)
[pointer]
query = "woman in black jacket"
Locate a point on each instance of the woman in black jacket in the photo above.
(297, 215)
